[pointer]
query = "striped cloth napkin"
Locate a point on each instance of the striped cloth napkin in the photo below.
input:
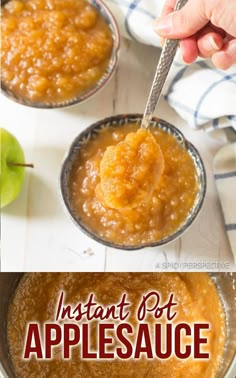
(212, 104)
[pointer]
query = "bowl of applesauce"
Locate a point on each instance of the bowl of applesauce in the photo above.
(200, 296)
(56, 53)
(131, 188)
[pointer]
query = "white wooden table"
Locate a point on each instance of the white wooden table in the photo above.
(36, 233)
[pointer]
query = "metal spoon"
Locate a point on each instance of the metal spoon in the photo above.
(163, 67)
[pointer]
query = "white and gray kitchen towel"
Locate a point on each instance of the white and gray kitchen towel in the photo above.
(211, 105)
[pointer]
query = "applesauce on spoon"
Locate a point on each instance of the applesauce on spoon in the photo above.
(130, 170)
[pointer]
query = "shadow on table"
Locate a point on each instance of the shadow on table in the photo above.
(97, 107)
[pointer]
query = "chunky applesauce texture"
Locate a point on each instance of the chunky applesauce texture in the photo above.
(53, 50)
(130, 170)
(36, 300)
(97, 192)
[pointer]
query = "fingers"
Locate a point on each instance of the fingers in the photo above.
(198, 36)
(225, 58)
(183, 23)
(189, 49)
(204, 44)
(210, 41)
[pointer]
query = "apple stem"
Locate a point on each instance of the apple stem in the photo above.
(21, 165)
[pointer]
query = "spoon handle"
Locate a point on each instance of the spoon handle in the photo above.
(163, 67)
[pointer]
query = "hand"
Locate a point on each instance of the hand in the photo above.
(206, 28)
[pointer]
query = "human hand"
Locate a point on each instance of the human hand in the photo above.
(206, 28)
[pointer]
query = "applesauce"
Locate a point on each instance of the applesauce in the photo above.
(130, 170)
(161, 215)
(36, 300)
(53, 50)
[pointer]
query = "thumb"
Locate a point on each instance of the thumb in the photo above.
(183, 23)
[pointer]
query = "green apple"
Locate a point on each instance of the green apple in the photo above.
(12, 167)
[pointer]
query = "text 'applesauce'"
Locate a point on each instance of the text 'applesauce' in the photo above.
(36, 300)
(152, 220)
(53, 50)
